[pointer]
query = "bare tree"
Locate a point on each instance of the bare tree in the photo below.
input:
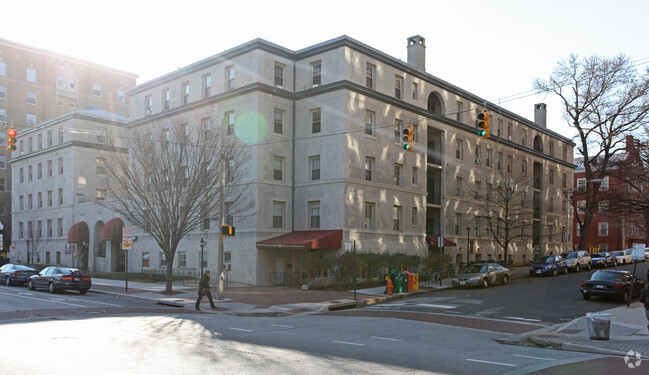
(604, 99)
(505, 206)
(169, 182)
(34, 234)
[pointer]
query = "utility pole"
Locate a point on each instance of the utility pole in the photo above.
(220, 252)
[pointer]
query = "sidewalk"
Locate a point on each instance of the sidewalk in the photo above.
(628, 331)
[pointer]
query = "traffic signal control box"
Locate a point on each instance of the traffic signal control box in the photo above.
(483, 123)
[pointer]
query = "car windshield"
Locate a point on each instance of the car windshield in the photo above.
(597, 255)
(546, 259)
(606, 276)
(476, 268)
(571, 255)
(618, 253)
(23, 268)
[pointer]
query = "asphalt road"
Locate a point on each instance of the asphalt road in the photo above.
(541, 300)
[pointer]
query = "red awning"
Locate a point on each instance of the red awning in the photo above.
(433, 241)
(112, 230)
(78, 232)
(306, 239)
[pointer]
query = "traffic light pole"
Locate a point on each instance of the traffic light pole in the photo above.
(220, 252)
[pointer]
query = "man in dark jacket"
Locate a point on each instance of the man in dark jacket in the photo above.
(204, 290)
(644, 298)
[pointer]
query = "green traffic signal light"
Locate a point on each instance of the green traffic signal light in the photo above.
(407, 147)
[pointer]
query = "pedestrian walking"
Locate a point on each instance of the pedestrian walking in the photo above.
(204, 290)
(644, 298)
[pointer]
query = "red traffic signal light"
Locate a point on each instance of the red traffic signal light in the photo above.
(11, 139)
(407, 138)
(483, 123)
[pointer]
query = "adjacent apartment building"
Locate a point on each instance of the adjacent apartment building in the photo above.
(37, 85)
(327, 164)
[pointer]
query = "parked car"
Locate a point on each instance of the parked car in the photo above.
(612, 283)
(623, 256)
(603, 260)
(16, 273)
(60, 278)
(482, 274)
(646, 253)
(578, 260)
(549, 265)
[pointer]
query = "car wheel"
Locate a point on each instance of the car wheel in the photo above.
(505, 280)
(8, 281)
(50, 288)
(565, 271)
(485, 282)
(588, 267)
(577, 268)
(586, 296)
(30, 285)
(615, 263)
(605, 265)
(83, 291)
(625, 296)
(555, 272)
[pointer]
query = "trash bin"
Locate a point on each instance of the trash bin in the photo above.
(599, 325)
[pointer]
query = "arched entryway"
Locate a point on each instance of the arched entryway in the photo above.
(78, 237)
(111, 239)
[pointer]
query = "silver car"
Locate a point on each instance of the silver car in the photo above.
(482, 274)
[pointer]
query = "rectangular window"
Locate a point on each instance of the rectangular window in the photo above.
(370, 118)
(99, 164)
(397, 218)
(316, 73)
(185, 90)
(279, 75)
(478, 189)
(229, 213)
(49, 168)
(415, 216)
(458, 186)
(205, 218)
(524, 138)
(478, 155)
(207, 85)
(96, 89)
(229, 122)
(148, 105)
(39, 171)
(602, 206)
(3, 68)
(369, 221)
(603, 229)
(29, 173)
(551, 205)
(49, 228)
(489, 157)
(398, 126)
(457, 227)
(31, 75)
(604, 184)
(564, 181)
(31, 97)
(182, 259)
(100, 194)
(415, 91)
(510, 163)
(398, 86)
(166, 99)
(3, 92)
(49, 198)
(459, 112)
(59, 227)
(60, 192)
(120, 96)
(398, 174)
(229, 78)
(3, 115)
(524, 168)
(581, 184)
(458, 149)
(314, 215)
(415, 177)
(500, 127)
(314, 165)
(370, 73)
(315, 121)
(369, 169)
(30, 119)
(278, 214)
(499, 161)
(278, 168)
(278, 121)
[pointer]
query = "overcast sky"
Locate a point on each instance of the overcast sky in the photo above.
(494, 49)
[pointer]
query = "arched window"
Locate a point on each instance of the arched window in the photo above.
(538, 143)
(435, 104)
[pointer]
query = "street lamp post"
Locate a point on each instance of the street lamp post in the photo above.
(202, 243)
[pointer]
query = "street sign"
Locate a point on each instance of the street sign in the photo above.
(637, 251)
(127, 233)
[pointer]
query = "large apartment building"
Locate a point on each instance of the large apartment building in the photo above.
(327, 163)
(37, 85)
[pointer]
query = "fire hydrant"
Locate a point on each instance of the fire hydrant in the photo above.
(389, 287)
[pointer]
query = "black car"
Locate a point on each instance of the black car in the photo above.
(603, 260)
(60, 278)
(610, 283)
(12, 274)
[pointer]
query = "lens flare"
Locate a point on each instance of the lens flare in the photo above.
(251, 127)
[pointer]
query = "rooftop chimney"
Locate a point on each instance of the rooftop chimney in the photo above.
(417, 52)
(541, 114)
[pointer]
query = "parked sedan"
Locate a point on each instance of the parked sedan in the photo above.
(549, 265)
(603, 260)
(60, 278)
(16, 273)
(482, 274)
(611, 283)
(623, 256)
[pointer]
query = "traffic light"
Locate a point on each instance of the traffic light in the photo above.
(11, 139)
(483, 123)
(407, 138)
(227, 230)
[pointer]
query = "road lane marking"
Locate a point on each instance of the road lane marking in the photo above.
(491, 363)
(348, 343)
(385, 338)
(281, 326)
(527, 356)
(90, 301)
(523, 319)
(241, 329)
(437, 306)
(43, 300)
